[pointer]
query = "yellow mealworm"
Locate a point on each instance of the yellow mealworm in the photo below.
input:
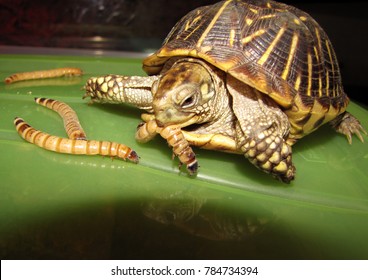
(146, 131)
(175, 138)
(70, 118)
(43, 74)
(73, 146)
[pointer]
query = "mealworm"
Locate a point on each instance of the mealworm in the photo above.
(175, 138)
(43, 74)
(73, 146)
(146, 131)
(70, 118)
(181, 148)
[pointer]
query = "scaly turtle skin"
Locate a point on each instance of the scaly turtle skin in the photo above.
(249, 77)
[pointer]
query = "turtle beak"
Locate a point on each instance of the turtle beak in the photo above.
(164, 116)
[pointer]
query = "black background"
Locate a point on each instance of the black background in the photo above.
(141, 25)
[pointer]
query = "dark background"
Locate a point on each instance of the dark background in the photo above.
(141, 25)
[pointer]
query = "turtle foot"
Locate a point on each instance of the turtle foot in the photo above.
(348, 125)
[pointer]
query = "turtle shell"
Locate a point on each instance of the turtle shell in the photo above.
(275, 48)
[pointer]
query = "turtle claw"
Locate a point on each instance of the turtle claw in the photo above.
(348, 125)
(357, 133)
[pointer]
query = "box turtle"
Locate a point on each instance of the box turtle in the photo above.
(249, 77)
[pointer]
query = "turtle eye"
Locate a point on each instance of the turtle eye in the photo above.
(188, 101)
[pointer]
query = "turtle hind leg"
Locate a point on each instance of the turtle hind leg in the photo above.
(348, 125)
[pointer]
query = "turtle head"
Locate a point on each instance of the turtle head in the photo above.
(183, 95)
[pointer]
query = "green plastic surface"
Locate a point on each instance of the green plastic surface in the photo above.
(67, 206)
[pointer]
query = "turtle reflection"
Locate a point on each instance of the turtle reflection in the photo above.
(211, 218)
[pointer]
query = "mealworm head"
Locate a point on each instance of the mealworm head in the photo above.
(17, 121)
(8, 80)
(192, 168)
(133, 157)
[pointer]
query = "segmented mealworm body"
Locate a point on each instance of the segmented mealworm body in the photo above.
(73, 146)
(71, 122)
(181, 148)
(175, 138)
(146, 131)
(43, 74)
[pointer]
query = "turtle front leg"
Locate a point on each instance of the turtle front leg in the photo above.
(268, 150)
(262, 131)
(134, 90)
